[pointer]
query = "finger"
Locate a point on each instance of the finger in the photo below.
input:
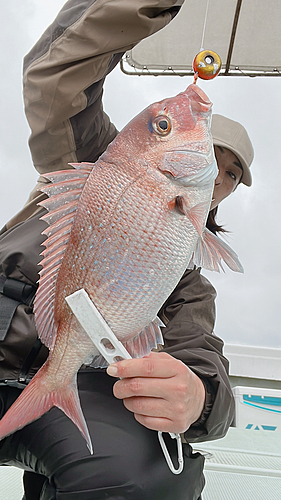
(176, 388)
(150, 407)
(155, 365)
(148, 387)
(158, 424)
(149, 411)
(160, 408)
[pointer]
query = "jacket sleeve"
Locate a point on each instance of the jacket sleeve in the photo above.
(65, 71)
(63, 77)
(189, 315)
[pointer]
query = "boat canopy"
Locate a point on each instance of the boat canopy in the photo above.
(245, 33)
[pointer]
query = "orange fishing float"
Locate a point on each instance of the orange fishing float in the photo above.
(206, 65)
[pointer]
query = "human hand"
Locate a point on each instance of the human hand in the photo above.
(161, 391)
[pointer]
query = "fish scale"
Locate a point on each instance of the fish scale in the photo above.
(135, 290)
(124, 229)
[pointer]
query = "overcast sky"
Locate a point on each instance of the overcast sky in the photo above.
(248, 306)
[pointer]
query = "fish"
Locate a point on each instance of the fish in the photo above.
(124, 229)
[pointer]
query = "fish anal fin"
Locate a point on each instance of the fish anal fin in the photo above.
(211, 250)
(35, 400)
(149, 338)
(140, 345)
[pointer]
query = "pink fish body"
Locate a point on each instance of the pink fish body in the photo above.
(125, 230)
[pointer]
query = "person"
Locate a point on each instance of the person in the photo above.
(184, 388)
(233, 147)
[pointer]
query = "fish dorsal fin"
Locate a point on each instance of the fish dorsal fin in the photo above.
(211, 250)
(63, 197)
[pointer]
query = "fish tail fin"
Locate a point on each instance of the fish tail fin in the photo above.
(30, 405)
(36, 399)
(68, 401)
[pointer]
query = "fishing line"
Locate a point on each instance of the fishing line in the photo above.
(207, 63)
(204, 25)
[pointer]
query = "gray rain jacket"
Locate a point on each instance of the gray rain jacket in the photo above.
(63, 81)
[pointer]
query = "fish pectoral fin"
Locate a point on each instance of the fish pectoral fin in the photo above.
(211, 250)
(196, 214)
(172, 204)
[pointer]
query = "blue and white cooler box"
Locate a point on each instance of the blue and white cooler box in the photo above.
(257, 408)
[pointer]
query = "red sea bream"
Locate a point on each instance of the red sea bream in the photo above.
(124, 229)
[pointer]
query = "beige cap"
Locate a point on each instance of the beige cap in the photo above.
(232, 135)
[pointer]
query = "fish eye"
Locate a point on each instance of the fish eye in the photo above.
(162, 125)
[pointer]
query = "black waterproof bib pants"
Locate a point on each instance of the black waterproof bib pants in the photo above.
(127, 464)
